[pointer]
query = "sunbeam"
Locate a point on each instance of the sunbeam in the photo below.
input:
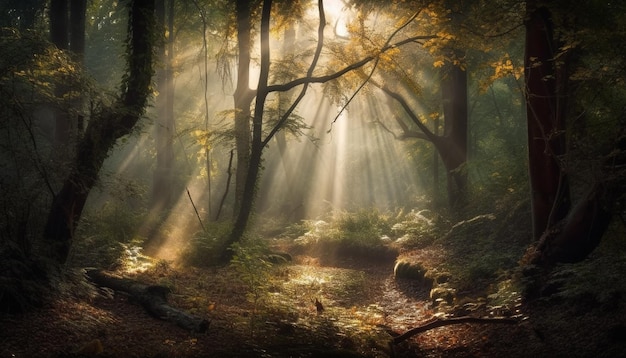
(353, 163)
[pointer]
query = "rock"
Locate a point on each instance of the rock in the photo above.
(407, 270)
(412, 271)
(442, 294)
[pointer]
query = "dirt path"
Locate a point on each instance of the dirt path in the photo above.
(361, 305)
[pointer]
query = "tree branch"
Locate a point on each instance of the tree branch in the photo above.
(407, 109)
(321, 79)
(449, 321)
(309, 73)
(375, 65)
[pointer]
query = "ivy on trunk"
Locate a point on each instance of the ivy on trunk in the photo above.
(103, 131)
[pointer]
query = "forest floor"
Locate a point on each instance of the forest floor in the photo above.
(275, 316)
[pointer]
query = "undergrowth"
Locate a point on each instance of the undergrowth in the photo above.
(348, 235)
(104, 236)
(205, 246)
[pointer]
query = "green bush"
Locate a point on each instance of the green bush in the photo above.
(103, 236)
(348, 235)
(416, 229)
(205, 247)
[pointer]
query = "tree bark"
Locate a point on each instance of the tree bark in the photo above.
(545, 110)
(453, 150)
(563, 234)
(256, 148)
(578, 234)
(243, 99)
(162, 191)
(102, 133)
(59, 24)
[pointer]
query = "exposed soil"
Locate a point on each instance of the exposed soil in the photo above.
(363, 307)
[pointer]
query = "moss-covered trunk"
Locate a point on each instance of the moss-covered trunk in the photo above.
(103, 131)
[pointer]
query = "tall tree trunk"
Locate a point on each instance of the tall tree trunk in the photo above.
(454, 151)
(256, 152)
(59, 36)
(78, 10)
(452, 145)
(67, 32)
(563, 234)
(545, 108)
(102, 132)
(162, 191)
(59, 24)
(284, 101)
(436, 199)
(243, 100)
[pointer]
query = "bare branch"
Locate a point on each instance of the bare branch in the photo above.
(448, 321)
(316, 56)
(407, 109)
(374, 67)
(406, 133)
(321, 79)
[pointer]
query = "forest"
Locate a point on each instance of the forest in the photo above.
(312, 178)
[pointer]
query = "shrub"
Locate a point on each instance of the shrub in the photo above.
(348, 235)
(104, 235)
(205, 247)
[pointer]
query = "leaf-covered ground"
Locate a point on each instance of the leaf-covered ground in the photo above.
(363, 307)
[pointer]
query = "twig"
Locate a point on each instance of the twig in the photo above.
(230, 174)
(376, 61)
(195, 209)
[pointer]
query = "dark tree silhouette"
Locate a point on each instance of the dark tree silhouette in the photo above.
(564, 234)
(104, 129)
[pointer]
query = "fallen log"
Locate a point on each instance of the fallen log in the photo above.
(449, 321)
(153, 298)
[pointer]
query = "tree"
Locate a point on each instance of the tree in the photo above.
(104, 129)
(243, 98)
(67, 32)
(162, 191)
(453, 150)
(546, 92)
(261, 136)
(432, 26)
(564, 233)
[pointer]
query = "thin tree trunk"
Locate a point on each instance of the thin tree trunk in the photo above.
(78, 11)
(256, 152)
(59, 36)
(454, 151)
(162, 191)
